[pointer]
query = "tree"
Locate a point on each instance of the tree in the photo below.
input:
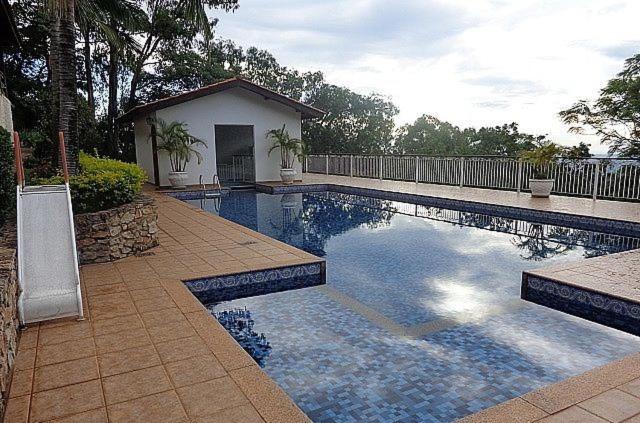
(505, 140)
(579, 151)
(62, 62)
(429, 135)
(615, 116)
(172, 23)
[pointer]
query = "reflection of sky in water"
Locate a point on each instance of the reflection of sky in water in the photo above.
(339, 350)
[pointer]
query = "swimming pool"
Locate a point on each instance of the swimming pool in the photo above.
(421, 317)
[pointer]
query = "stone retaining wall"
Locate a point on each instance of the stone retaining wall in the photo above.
(117, 233)
(8, 309)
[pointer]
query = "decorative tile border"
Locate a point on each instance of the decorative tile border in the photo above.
(615, 227)
(259, 282)
(598, 307)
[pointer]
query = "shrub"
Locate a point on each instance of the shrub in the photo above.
(7, 181)
(102, 184)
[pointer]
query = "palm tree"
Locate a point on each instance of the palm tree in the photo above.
(290, 147)
(178, 143)
(63, 15)
(62, 62)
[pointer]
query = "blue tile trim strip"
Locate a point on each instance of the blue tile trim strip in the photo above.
(615, 227)
(259, 282)
(598, 307)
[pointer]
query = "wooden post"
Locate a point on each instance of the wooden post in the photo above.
(326, 163)
(63, 157)
(417, 178)
(461, 172)
(17, 153)
(154, 153)
(380, 168)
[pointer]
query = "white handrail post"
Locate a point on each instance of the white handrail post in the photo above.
(326, 163)
(306, 164)
(519, 176)
(351, 165)
(380, 168)
(417, 158)
(461, 172)
(596, 180)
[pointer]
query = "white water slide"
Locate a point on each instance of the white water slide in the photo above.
(47, 257)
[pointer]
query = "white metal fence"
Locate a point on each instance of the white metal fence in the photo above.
(241, 169)
(598, 178)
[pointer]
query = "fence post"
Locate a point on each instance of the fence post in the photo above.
(596, 180)
(417, 158)
(326, 164)
(380, 168)
(351, 165)
(519, 176)
(461, 172)
(306, 164)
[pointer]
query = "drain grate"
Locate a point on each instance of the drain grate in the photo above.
(145, 254)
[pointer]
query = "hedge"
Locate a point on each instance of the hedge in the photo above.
(102, 183)
(7, 181)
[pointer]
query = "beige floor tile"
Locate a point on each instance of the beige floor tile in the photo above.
(128, 360)
(121, 341)
(209, 397)
(99, 415)
(66, 401)
(573, 414)
(194, 370)
(116, 325)
(17, 410)
(267, 397)
(25, 359)
(65, 351)
(241, 414)
(105, 289)
(28, 339)
(171, 331)
(613, 405)
(136, 384)
(632, 387)
(56, 335)
(66, 373)
(181, 349)
(159, 408)
(21, 383)
(162, 317)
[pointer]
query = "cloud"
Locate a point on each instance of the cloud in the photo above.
(481, 62)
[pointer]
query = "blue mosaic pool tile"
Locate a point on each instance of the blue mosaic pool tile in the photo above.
(597, 307)
(616, 227)
(247, 284)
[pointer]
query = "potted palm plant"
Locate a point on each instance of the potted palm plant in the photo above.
(541, 158)
(290, 149)
(180, 146)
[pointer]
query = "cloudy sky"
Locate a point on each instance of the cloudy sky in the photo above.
(470, 62)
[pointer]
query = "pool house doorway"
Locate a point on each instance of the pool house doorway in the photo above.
(235, 153)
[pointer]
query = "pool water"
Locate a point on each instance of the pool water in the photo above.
(421, 317)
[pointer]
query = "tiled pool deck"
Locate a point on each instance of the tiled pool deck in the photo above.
(149, 351)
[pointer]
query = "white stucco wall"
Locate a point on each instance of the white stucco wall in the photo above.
(231, 107)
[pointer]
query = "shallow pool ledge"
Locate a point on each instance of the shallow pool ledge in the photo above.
(603, 289)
